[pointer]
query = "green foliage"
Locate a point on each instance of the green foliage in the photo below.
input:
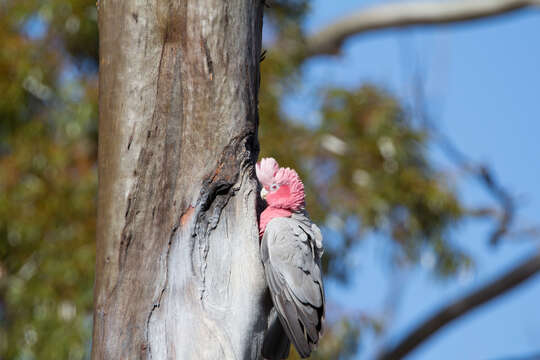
(364, 164)
(382, 176)
(47, 226)
(48, 184)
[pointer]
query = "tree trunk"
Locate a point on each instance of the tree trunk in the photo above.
(178, 274)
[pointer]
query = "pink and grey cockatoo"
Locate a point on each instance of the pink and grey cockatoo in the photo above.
(291, 250)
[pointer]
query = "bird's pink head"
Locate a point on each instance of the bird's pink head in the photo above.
(282, 189)
(285, 191)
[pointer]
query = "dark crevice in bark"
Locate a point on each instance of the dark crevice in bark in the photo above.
(157, 303)
(130, 139)
(216, 191)
(216, 188)
(209, 62)
(128, 207)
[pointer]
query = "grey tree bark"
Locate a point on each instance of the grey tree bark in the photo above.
(178, 273)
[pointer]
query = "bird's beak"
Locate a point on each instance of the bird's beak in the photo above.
(263, 193)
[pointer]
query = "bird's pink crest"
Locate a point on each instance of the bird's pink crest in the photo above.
(294, 198)
(288, 176)
(266, 169)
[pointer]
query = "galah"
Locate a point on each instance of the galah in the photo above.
(291, 250)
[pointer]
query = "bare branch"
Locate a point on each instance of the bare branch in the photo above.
(482, 212)
(500, 285)
(486, 178)
(506, 201)
(534, 356)
(530, 232)
(330, 39)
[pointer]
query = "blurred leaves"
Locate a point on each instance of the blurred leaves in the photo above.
(48, 181)
(382, 175)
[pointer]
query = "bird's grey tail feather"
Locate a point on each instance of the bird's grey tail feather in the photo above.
(276, 344)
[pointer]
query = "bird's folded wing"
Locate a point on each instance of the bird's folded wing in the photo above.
(292, 267)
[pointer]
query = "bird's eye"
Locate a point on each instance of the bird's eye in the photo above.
(274, 187)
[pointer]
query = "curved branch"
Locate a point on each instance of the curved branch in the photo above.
(462, 306)
(330, 39)
(534, 356)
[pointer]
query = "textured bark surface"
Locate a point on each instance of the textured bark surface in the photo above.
(178, 269)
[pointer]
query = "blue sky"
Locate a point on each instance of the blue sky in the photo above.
(482, 86)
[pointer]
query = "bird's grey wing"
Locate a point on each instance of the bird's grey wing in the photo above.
(310, 228)
(293, 274)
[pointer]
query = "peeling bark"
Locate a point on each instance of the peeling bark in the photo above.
(178, 275)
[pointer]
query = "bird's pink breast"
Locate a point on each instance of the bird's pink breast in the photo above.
(268, 214)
